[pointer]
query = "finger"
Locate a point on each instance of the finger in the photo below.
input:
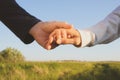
(77, 41)
(63, 34)
(68, 36)
(73, 33)
(48, 45)
(67, 41)
(58, 37)
(51, 39)
(63, 25)
(54, 45)
(51, 46)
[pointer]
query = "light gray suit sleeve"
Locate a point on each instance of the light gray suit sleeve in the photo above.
(108, 29)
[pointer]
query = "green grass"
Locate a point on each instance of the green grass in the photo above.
(66, 70)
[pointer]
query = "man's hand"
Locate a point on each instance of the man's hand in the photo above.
(42, 30)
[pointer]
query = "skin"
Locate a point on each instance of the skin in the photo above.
(42, 30)
(65, 36)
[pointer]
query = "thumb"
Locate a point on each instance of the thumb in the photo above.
(64, 25)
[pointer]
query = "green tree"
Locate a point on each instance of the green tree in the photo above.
(11, 55)
(1, 58)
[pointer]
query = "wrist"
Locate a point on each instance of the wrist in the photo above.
(33, 30)
(87, 38)
(78, 39)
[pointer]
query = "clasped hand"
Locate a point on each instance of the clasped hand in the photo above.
(51, 34)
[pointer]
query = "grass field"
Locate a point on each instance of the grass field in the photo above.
(64, 70)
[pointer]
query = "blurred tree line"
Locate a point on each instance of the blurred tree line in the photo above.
(11, 55)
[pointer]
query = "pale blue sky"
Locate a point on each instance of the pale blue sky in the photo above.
(81, 13)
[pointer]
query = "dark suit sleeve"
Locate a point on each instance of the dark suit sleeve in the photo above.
(17, 19)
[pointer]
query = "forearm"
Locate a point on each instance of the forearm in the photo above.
(17, 19)
(109, 29)
(104, 32)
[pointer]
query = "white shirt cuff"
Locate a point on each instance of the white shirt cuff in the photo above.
(87, 38)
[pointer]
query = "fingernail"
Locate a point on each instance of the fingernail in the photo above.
(49, 47)
(59, 41)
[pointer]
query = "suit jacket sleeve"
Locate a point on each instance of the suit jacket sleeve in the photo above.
(17, 19)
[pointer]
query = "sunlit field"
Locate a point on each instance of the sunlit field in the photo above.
(14, 67)
(65, 70)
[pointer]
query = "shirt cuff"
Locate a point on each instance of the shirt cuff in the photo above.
(87, 38)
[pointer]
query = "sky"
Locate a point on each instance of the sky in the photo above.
(80, 13)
